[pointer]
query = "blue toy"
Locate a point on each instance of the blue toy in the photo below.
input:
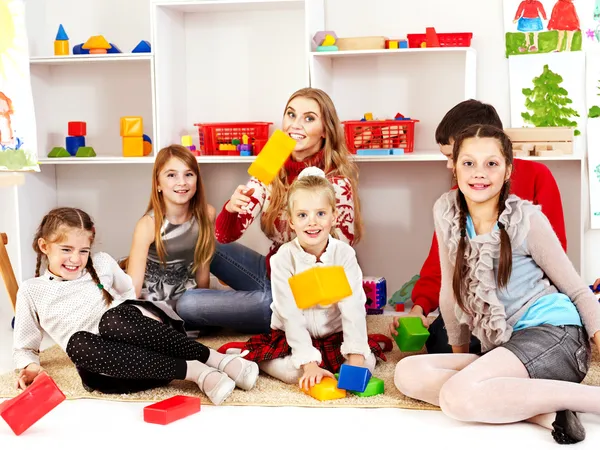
(78, 50)
(245, 152)
(147, 138)
(73, 143)
(61, 35)
(113, 49)
(142, 47)
(353, 378)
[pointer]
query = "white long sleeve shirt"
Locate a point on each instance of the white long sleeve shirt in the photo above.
(300, 325)
(61, 308)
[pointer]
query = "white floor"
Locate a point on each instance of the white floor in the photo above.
(92, 424)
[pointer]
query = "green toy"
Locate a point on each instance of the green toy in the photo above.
(375, 386)
(403, 294)
(412, 335)
(58, 152)
(85, 152)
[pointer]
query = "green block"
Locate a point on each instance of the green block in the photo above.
(412, 335)
(375, 386)
(58, 152)
(327, 48)
(85, 152)
(236, 142)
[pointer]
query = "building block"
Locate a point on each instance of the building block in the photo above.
(132, 126)
(412, 335)
(133, 146)
(142, 47)
(328, 48)
(61, 35)
(353, 378)
(79, 50)
(403, 43)
(269, 161)
(61, 48)
(227, 148)
(245, 148)
(368, 116)
(77, 128)
(375, 386)
(147, 148)
(399, 307)
(40, 397)
(73, 143)
(186, 141)
(431, 37)
(245, 152)
(320, 286)
(376, 291)
(147, 138)
(58, 152)
(85, 152)
(324, 38)
(171, 409)
(328, 41)
(326, 390)
(113, 49)
(96, 45)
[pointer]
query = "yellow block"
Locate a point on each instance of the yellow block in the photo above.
(320, 286)
(394, 44)
(147, 148)
(368, 116)
(61, 48)
(133, 146)
(326, 390)
(271, 158)
(329, 40)
(132, 126)
(227, 147)
(186, 141)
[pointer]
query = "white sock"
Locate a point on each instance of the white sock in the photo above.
(282, 369)
(195, 369)
(232, 368)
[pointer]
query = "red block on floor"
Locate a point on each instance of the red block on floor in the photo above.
(171, 409)
(77, 128)
(40, 397)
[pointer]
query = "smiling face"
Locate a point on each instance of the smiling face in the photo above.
(177, 182)
(67, 252)
(312, 218)
(303, 122)
(481, 169)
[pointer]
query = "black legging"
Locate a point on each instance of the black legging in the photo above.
(132, 352)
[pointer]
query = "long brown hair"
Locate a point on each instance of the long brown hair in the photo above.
(53, 228)
(205, 245)
(337, 162)
(505, 264)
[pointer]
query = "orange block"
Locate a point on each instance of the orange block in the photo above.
(132, 126)
(147, 148)
(61, 48)
(133, 146)
(326, 390)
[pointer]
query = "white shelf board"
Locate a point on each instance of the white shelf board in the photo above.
(574, 157)
(80, 59)
(354, 53)
(229, 5)
(99, 160)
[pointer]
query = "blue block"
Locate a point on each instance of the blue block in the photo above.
(397, 151)
(73, 143)
(245, 152)
(142, 47)
(78, 50)
(147, 138)
(374, 152)
(61, 35)
(113, 49)
(353, 378)
(403, 44)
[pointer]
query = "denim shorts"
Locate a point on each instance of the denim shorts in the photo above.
(553, 352)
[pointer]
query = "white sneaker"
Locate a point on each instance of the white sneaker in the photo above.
(248, 375)
(219, 393)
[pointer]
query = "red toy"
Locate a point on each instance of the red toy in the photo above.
(171, 409)
(40, 397)
(77, 128)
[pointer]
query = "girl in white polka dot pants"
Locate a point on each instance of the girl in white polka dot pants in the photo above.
(117, 347)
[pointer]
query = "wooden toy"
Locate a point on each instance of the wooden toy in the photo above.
(412, 335)
(392, 44)
(375, 386)
(97, 45)
(58, 152)
(171, 409)
(132, 126)
(85, 152)
(326, 390)
(353, 378)
(321, 285)
(61, 42)
(269, 161)
(186, 141)
(534, 140)
(324, 38)
(133, 146)
(77, 128)
(40, 397)
(361, 43)
(142, 47)
(376, 292)
(73, 143)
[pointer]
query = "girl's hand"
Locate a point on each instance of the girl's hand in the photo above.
(239, 200)
(313, 374)
(416, 311)
(355, 360)
(28, 374)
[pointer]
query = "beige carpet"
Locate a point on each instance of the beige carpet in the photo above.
(267, 392)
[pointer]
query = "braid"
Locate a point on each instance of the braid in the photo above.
(92, 270)
(505, 264)
(38, 264)
(459, 266)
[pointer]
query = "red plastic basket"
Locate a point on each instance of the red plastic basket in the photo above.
(446, 39)
(213, 134)
(380, 134)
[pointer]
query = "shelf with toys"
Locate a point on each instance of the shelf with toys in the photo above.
(84, 59)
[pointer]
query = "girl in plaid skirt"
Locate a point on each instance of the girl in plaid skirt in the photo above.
(304, 345)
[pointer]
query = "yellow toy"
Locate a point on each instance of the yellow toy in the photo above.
(133, 146)
(320, 286)
(186, 141)
(132, 132)
(97, 45)
(326, 390)
(270, 160)
(132, 126)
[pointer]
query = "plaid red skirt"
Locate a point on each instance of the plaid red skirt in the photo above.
(273, 345)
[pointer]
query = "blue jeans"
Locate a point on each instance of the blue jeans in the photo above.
(246, 309)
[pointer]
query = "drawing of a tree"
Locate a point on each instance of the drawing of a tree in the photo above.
(595, 110)
(548, 102)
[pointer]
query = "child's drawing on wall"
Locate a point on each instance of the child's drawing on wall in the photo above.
(565, 20)
(6, 111)
(529, 21)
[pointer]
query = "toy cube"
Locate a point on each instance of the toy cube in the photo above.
(73, 144)
(320, 286)
(376, 291)
(353, 378)
(77, 128)
(133, 146)
(61, 48)
(171, 409)
(368, 116)
(186, 141)
(399, 307)
(269, 161)
(375, 386)
(403, 43)
(325, 390)
(132, 126)
(412, 335)
(40, 397)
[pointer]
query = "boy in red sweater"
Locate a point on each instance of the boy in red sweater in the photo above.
(530, 180)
